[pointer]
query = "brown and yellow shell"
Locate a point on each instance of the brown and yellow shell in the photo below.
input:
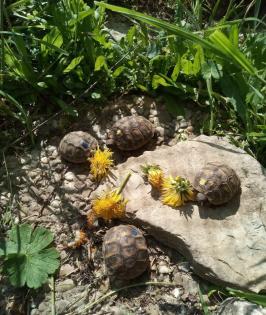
(217, 182)
(131, 133)
(125, 252)
(76, 146)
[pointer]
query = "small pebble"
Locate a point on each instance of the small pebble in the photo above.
(44, 160)
(55, 204)
(183, 124)
(65, 285)
(153, 112)
(164, 269)
(69, 176)
(176, 293)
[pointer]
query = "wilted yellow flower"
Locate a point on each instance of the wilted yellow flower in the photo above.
(154, 175)
(100, 163)
(176, 191)
(80, 239)
(110, 205)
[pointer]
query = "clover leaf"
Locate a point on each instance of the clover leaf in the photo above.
(28, 256)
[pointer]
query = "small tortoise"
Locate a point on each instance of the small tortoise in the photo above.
(76, 146)
(217, 183)
(131, 133)
(125, 252)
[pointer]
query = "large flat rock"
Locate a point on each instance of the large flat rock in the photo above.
(225, 245)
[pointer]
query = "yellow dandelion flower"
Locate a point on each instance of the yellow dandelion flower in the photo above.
(176, 191)
(100, 163)
(154, 175)
(110, 205)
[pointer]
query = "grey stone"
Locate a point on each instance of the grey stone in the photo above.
(164, 269)
(44, 160)
(183, 124)
(69, 176)
(65, 285)
(226, 244)
(61, 306)
(233, 306)
(153, 112)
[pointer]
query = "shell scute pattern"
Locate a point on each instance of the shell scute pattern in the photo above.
(125, 252)
(132, 132)
(218, 182)
(76, 146)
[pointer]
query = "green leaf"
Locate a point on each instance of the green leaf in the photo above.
(234, 89)
(225, 45)
(54, 38)
(100, 63)
(118, 71)
(157, 81)
(211, 69)
(130, 34)
(186, 66)
(176, 70)
(198, 60)
(234, 34)
(28, 257)
(76, 61)
(253, 297)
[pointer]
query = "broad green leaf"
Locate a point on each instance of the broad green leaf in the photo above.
(198, 60)
(118, 71)
(176, 70)
(224, 44)
(211, 69)
(231, 88)
(21, 236)
(157, 81)
(40, 239)
(130, 34)
(54, 38)
(81, 16)
(186, 66)
(100, 63)
(28, 259)
(75, 62)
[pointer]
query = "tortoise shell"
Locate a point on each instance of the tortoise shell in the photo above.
(125, 252)
(217, 182)
(76, 146)
(131, 133)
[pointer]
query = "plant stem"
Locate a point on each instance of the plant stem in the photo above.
(124, 183)
(52, 296)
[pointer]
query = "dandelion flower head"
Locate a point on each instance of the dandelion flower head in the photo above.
(176, 191)
(110, 205)
(101, 161)
(154, 175)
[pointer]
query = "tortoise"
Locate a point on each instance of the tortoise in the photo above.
(76, 146)
(125, 252)
(131, 133)
(216, 182)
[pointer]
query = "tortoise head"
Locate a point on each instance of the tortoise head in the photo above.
(201, 198)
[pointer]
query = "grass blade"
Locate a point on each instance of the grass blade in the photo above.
(225, 45)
